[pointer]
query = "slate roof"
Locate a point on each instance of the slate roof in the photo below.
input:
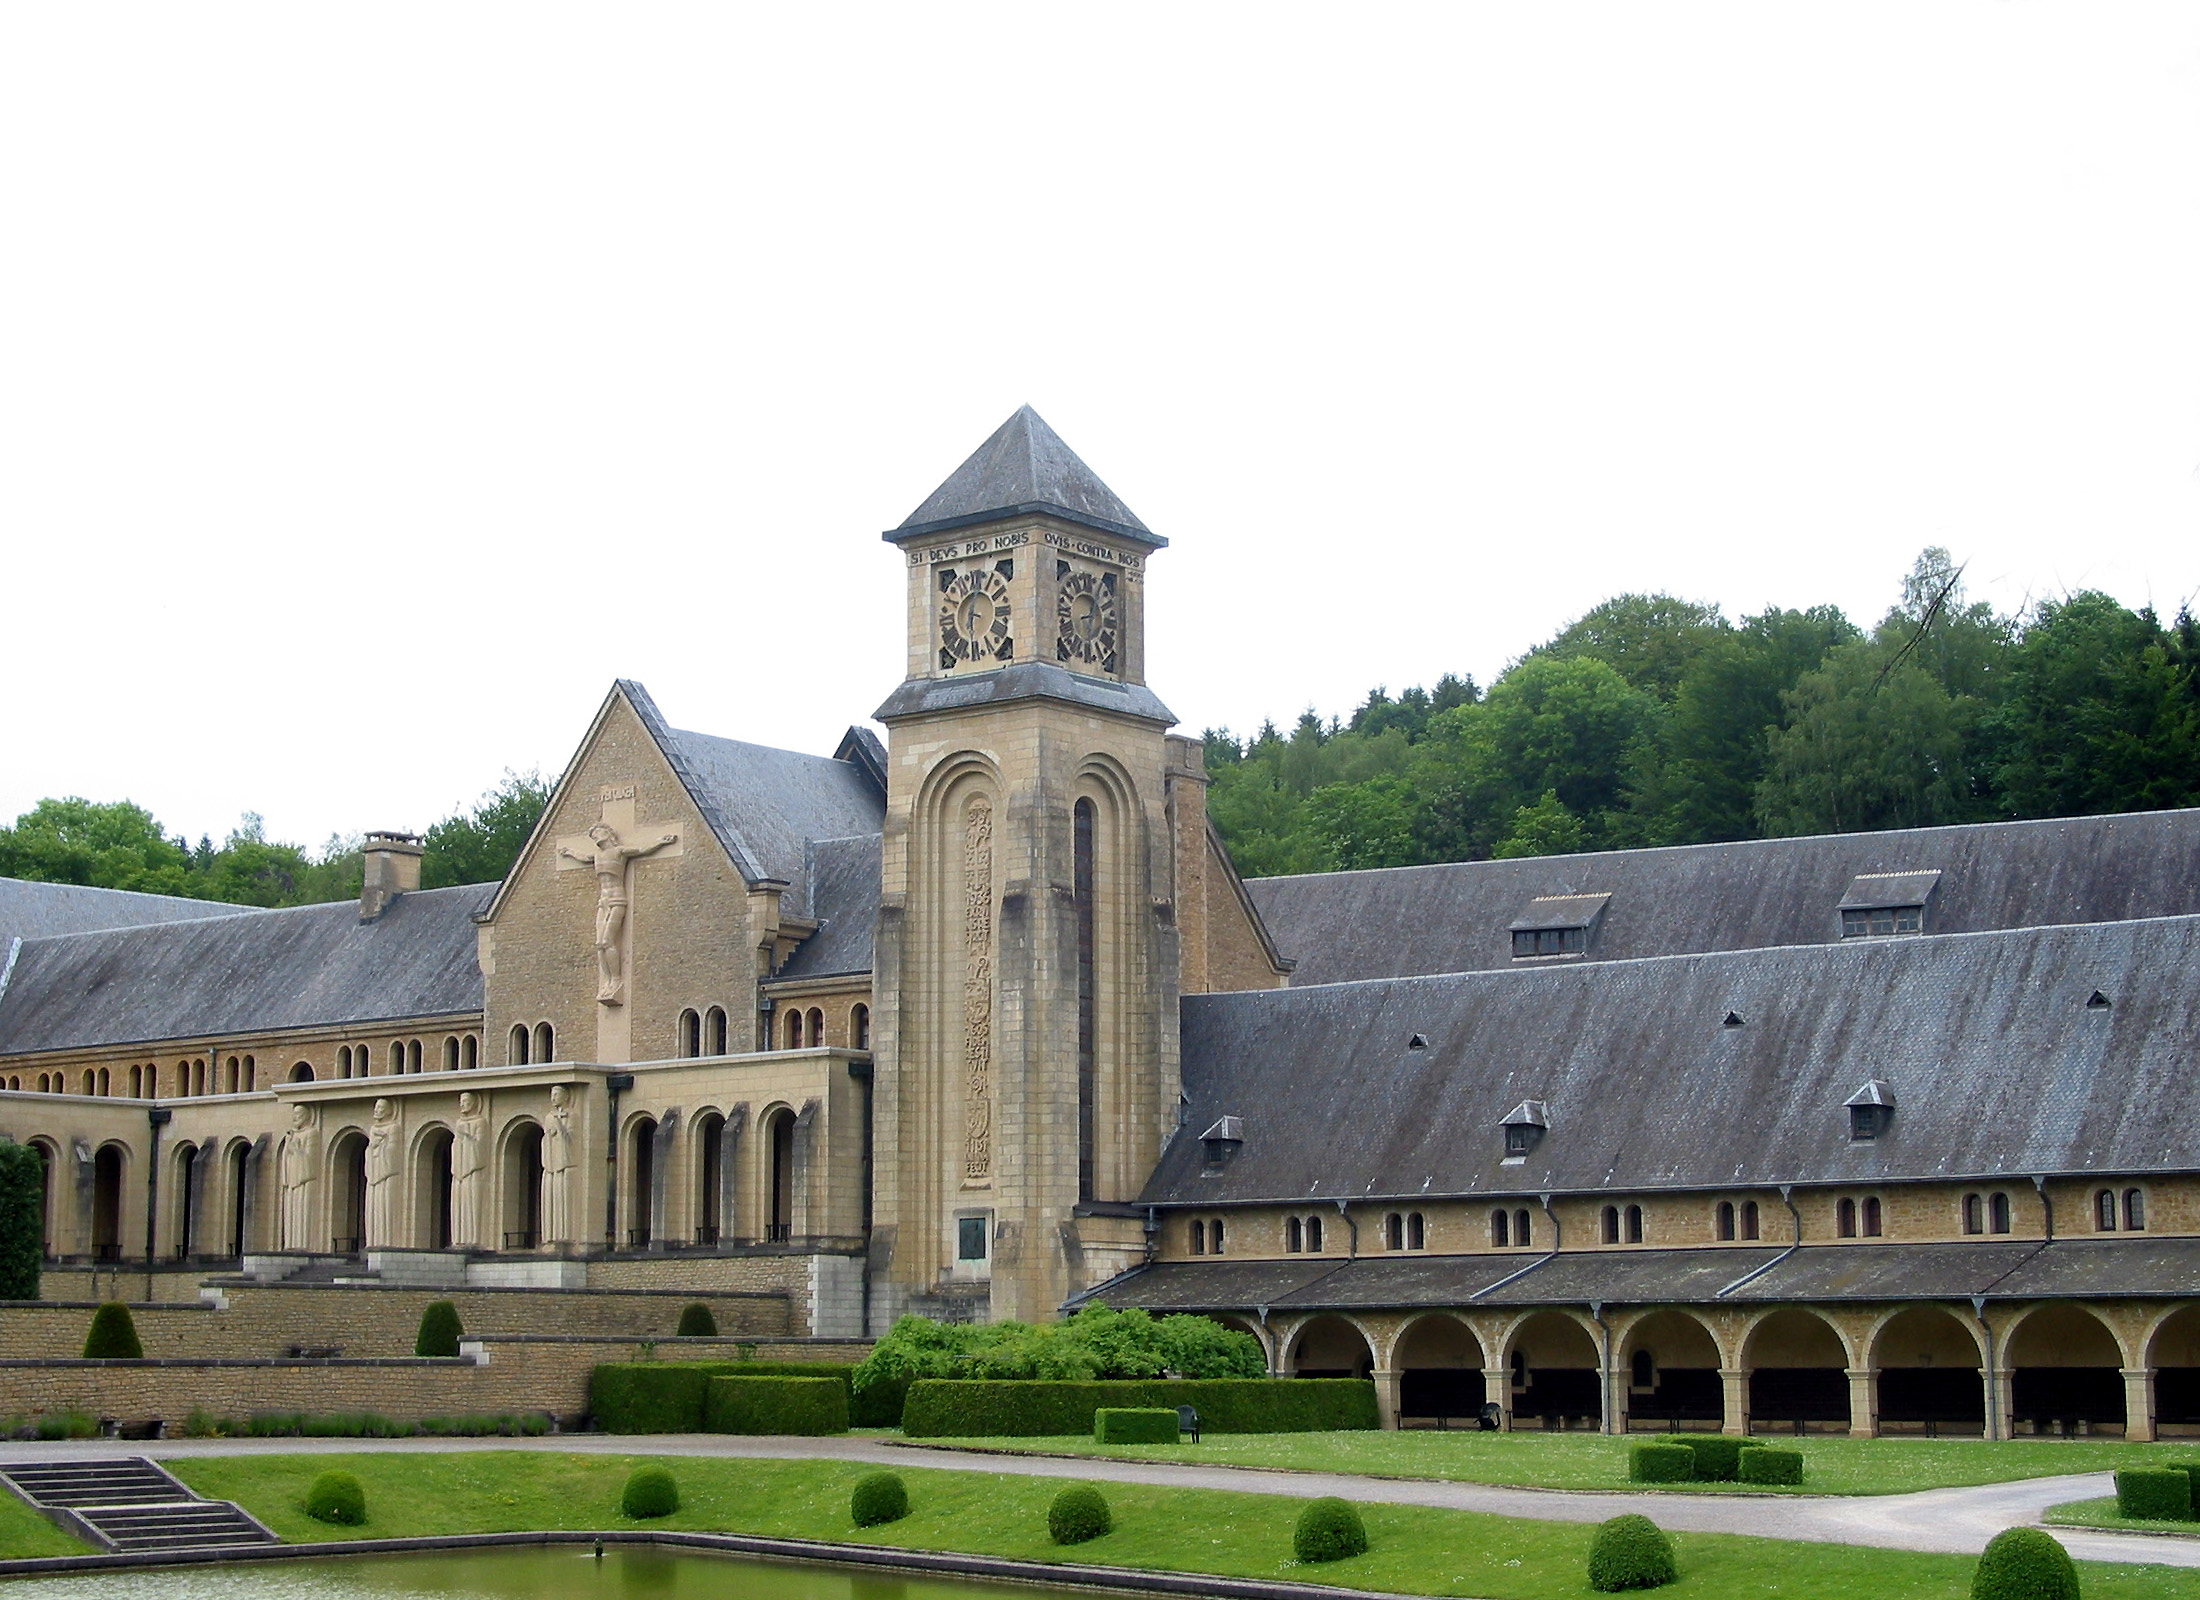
(1998, 1064)
(45, 910)
(1024, 467)
(304, 966)
(1398, 921)
(844, 878)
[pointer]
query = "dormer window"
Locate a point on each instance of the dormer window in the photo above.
(1871, 1110)
(1523, 1125)
(1557, 925)
(1886, 905)
(1222, 1140)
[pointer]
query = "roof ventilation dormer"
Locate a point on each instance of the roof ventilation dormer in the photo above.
(1557, 926)
(1524, 1127)
(1871, 1110)
(1417, 1042)
(1222, 1141)
(1882, 905)
(1733, 1019)
(2097, 1001)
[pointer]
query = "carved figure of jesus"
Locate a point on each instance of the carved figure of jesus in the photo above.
(612, 861)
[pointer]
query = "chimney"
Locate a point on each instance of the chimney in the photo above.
(393, 868)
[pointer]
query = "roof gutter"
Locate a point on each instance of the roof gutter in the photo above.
(1557, 1238)
(1787, 1196)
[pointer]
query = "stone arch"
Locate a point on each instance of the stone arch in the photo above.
(347, 1192)
(430, 1168)
(1108, 869)
(1330, 1345)
(708, 1173)
(49, 1162)
(237, 1206)
(1798, 1370)
(1668, 1365)
(2172, 1345)
(301, 1072)
(110, 1173)
(638, 1179)
(186, 1180)
(1557, 1373)
(2065, 1369)
(955, 850)
(1439, 1361)
(777, 1199)
(1929, 1366)
(519, 1184)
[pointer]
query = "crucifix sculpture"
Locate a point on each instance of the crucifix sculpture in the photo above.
(612, 860)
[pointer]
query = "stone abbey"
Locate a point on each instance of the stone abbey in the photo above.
(1861, 1133)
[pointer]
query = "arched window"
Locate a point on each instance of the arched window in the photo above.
(1521, 1234)
(1846, 1225)
(472, 1053)
(1645, 1373)
(1314, 1236)
(450, 1053)
(251, 1073)
(1199, 1237)
(1634, 1224)
(794, 1030)
(1500, 1228)
(231, 1076)
(817, 1029)
(2104, 1211)
(691, 1033)
(1416, 1231)
(1294, 1235)
(397, 1058)
(1749, 1219)
(1997, 1213)
(412, 1056)
(1726, 1219)
(137, 1082)
(1611, 1224)
(302, 1072)
(515, 1049)
(714, 1029)
(1394, 1232)
(546, 1042)
(1871, 1217)
(1974, 1215)
(859, 1028)
(2135, 1210)
(105, 1086)
(1214, 1237)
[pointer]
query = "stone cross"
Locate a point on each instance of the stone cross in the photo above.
(610, 849)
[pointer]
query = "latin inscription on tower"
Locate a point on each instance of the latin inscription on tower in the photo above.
(978, 993)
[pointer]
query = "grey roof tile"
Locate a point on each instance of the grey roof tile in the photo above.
(1024, 467)
(770, 804)
(844, 878)
(31, 910)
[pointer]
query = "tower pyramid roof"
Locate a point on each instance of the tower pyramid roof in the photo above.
(1024, 467)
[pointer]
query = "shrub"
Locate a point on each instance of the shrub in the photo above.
(1096, 1344)
(275, 1424)
(1630, 1552)
(648, 1397)
(1661, 1463)
(879, 1497)
(1718, 1455)
(946, 1408)
(1078, 1513)
(2190, 1469)
(775, 1405)
(1772, 1466)
(1135, 1425)
(337, 1497)
(650, 1492)
(2024, 1564)
(696, 1322)
(1329, 1529)
(113, 1336)
(2156, 1494)
(352, 1425)
(68, 1425)
(22, 1220)
(204, 1424)
(439, 1330)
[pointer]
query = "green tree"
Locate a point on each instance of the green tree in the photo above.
(1546, 828)
(22, 1219)
(106, 846)
(480, 846)
(1356, 825)
(1651, 640)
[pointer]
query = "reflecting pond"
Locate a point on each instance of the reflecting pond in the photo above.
(624, 1573)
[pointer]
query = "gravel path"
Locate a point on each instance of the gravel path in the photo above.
(1952, 1520)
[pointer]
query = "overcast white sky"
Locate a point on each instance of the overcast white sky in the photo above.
(377, 383)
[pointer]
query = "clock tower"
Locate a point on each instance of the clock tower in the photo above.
(1025, 1043)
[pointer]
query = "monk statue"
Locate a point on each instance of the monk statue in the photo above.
(612, 861)
(382, 1176)
(469, 1145)
(557, 1168)
(298, 1163)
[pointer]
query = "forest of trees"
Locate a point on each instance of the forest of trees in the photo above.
(1656, 721)
(118, 845)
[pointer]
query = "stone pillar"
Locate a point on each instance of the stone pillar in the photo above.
(2000, 1403)
(1735, 1381)
(1497, 1390)
(1386, 1395)
(1863, 1403)
(2139, 1404)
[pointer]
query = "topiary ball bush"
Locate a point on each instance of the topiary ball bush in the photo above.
(113, 1336)
(1630, 1552)
(650, 1492)
(696, 1322)
(1661, 1463)
(337, 1497)
(883, 1497)
(2024, 1564)
(1329, 1530)
(439, 1330)
(1078, 1513)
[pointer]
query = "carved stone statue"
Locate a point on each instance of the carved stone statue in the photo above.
(613, 862)
(382, 1176)
(469, 1144)
(557, 1168)
(298, 1163)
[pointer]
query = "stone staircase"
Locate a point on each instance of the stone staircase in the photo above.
(126, 1503)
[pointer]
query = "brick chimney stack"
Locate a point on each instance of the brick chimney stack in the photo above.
(393, 868)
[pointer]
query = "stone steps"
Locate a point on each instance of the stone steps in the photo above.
(128, 1503)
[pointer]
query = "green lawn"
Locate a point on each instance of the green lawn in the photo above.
(2101, 1513)
(1416, 1550)
(23, 1532)
(1599, 1461)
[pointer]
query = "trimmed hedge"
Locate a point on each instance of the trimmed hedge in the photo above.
(113, 1336)
(1329, 1529)
(1718, 1455)
(1078, 1513)
(668, 1396)
(1630, 1552)
(22, 1219)
(650, 1492)
(439, 1330)
(977, 1408)
(1135, 1425)
(2190, 1469)
(775, 1405)
(1661, 1463)
(2155, 1494)
(337, 1497)
(2024, 1564)
(696, 1322)
(1772, 1466)
(879, 1497)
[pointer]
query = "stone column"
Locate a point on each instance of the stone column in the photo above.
(2001, 1422)
(2139, 1404)
(1497, 1390)
(1386, 1396)
(1863, 1403)
(1735, 1381)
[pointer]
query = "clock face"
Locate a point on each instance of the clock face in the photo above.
(1086, 616)
(974, 614)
